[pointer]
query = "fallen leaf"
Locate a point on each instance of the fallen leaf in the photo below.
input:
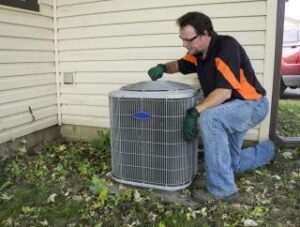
(249, 222)
(23, 150)
(8, 222)
(27, 210)
(61, 148)
(6, 184)
(249, 188)
(276, 177)
(287, 155)
(44, 223)
(51, 198)
(137, 196)
(296, 174)
(4, 196)
(204, 211)
(161, 224)
(258, 172)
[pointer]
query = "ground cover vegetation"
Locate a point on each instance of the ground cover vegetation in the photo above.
(289, 118)
(67, 184)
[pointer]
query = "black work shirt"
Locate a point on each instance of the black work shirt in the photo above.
(226, 65)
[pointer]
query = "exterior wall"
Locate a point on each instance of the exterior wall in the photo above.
(27, 71)
(33, 142)
(107, 44)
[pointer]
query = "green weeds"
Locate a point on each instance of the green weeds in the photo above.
(289, 118)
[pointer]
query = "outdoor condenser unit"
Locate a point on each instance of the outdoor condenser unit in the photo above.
(147, 145)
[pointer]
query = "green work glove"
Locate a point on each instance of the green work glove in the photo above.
(157, 71)
(189, 129)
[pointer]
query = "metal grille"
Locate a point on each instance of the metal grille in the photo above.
(151, 152)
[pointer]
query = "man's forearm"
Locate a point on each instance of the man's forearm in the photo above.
(172, 67)
(215, 98)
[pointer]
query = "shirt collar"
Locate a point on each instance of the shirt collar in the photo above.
(211, 46)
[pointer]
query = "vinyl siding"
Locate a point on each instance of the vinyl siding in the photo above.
(108, 44)
(27, 71)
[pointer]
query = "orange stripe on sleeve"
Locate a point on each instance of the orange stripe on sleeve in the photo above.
(244, 88)
(248, 92)
(190, 58)
(227, 73)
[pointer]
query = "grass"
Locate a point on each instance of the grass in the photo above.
(289, 118)
(67, 184)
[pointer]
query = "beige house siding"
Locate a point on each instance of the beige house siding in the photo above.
(27, 71)
(107, 44)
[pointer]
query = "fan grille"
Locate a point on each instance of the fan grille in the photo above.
(150, 151)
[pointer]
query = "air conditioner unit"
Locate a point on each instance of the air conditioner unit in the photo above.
(147, 145)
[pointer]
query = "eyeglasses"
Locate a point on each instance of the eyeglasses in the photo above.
(189, 40)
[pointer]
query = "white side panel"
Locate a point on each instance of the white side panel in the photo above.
(20, 56)
(10, 43)
(164, 53)
(21, 17)
(12, 108)
(91, 111)
(171, 40)
(121, 5)
(27, 117)
(27, 79)
(127, 66)
(13, 82)
(25, 31)
(220, 24)
(22, 130)
(14, 69)
(13, 95)
(95, 100)
(223, 10)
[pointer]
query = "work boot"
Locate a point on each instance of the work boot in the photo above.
(201, 196)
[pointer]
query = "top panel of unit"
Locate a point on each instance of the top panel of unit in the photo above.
(161, 89)
(160, 85)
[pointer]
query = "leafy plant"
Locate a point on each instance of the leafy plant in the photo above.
(102, 142)
(15, 168)
(99, 186)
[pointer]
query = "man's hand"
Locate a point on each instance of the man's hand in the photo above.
(157, 71)
(189, 129)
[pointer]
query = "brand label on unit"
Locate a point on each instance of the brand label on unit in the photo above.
(141, 116)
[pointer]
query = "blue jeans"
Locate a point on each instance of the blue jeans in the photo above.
(222, 130)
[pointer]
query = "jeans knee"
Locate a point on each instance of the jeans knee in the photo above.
(207, 118)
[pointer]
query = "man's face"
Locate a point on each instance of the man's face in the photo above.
(193, 42)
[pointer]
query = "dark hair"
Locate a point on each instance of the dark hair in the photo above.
(199, 21)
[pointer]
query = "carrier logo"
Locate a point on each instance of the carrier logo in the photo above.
(141, 116)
